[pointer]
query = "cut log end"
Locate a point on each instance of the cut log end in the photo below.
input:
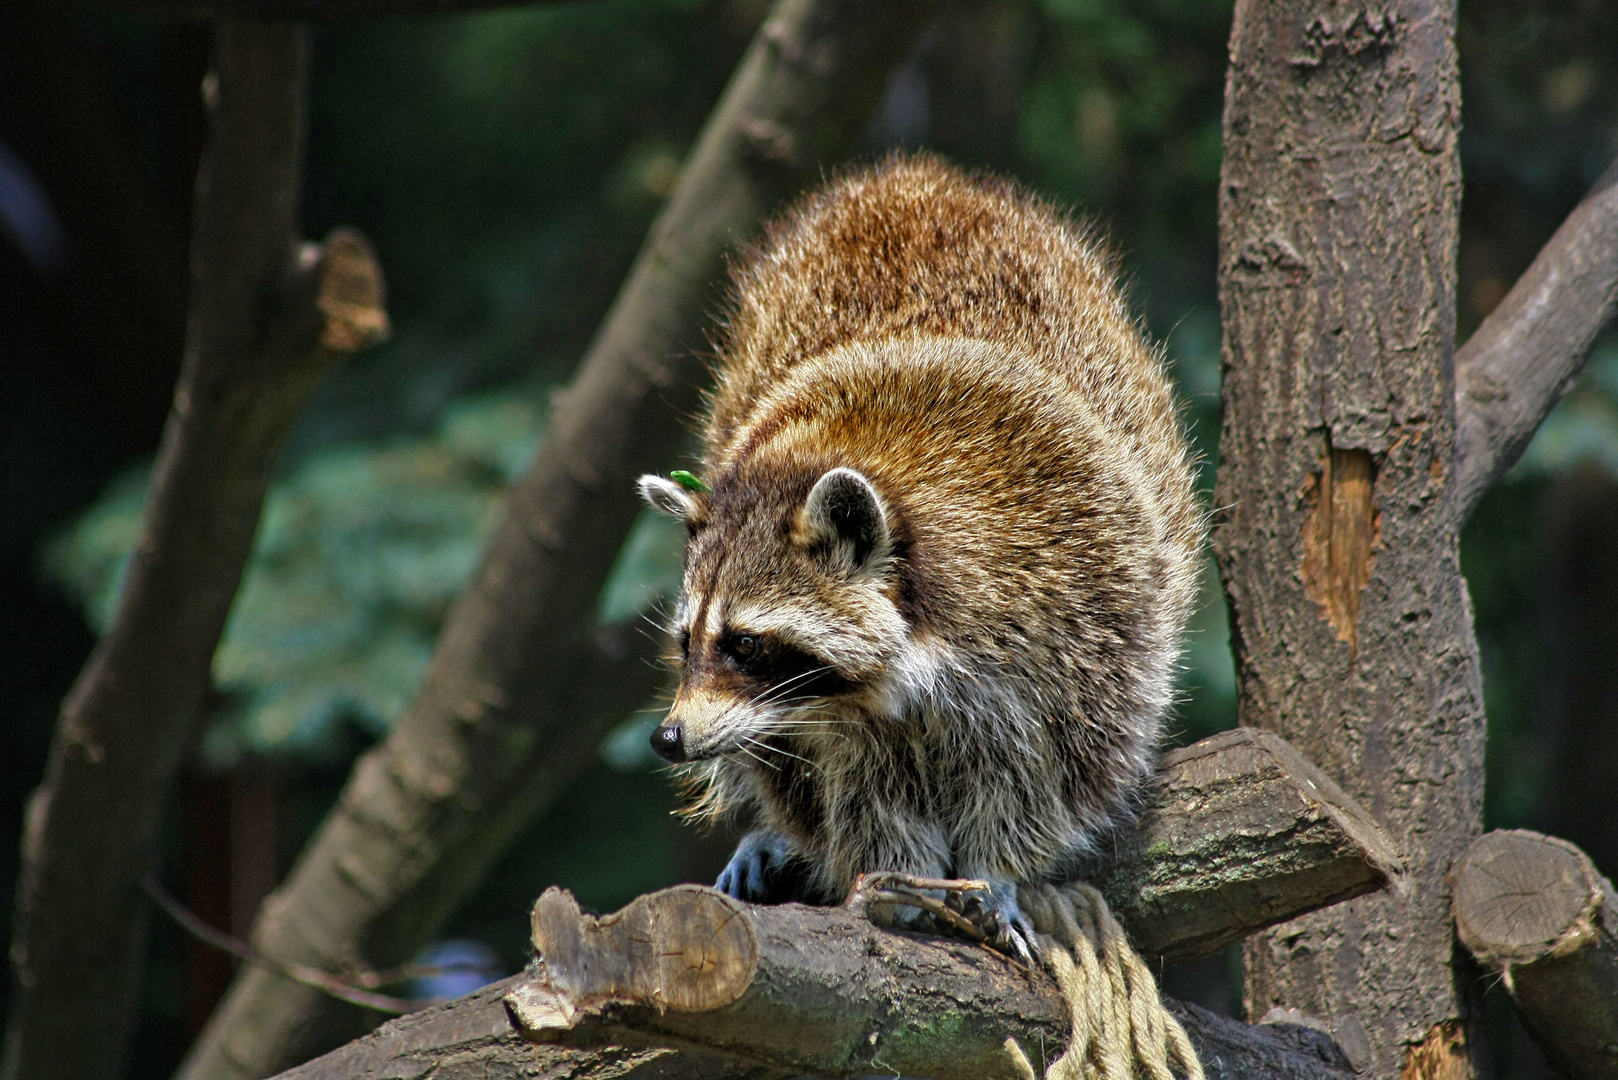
(1536, 912)
(685, 949)
(1520, 896)
(351, 296)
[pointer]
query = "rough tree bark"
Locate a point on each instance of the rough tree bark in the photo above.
(268, 319)
(478, 750)
(1520, 362)
(1351, 624)
(1534, 910)
(687, 982)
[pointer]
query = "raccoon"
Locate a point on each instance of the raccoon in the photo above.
(942, 551)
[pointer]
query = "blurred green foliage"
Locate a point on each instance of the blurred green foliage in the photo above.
(361, 552)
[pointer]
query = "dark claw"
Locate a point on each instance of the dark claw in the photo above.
(1017, 939)
(1002, 921)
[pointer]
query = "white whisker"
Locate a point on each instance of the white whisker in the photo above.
(767, 764)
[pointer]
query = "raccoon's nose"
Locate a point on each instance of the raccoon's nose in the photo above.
(668, 742)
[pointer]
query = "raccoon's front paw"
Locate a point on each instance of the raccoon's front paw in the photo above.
(763, 870)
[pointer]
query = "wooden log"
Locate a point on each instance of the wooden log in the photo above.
(814, 990)
(1239, 833)
(475, 1038)
(1534, 910)
(819, 991)
(767, 993)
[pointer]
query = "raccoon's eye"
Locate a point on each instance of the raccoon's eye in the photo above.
(744, 650)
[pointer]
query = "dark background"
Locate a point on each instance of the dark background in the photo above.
(506, 165)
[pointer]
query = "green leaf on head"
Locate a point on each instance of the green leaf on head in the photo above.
(689, 481)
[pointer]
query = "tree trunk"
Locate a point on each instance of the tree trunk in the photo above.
(1351, 625)
(268, 319)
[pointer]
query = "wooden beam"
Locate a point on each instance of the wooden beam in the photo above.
(813, 990)
(1238, 833)
(826, 993)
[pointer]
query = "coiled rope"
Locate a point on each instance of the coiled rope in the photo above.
(1120, 1029)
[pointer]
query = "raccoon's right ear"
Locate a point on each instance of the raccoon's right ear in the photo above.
(844, 516)
(667, 497)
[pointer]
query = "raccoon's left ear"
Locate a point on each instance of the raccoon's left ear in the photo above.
(667, 497)
(844, 515)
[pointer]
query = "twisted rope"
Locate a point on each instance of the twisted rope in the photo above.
(1120, 1029)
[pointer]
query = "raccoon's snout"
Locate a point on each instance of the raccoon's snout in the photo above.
(669, 742)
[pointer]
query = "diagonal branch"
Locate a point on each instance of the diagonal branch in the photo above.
(1520, 362)
(1239, 832)
(268, 319)
(488, 738)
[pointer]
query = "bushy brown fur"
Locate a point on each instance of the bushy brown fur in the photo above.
(963, 650)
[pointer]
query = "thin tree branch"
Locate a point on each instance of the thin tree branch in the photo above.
(268, 319)
(355, 987)
(347, 990)
(1520, 362)
(495, 730)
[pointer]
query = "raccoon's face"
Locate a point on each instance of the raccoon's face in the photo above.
(786, 608)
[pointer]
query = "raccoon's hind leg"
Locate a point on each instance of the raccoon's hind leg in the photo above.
(765, 869)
